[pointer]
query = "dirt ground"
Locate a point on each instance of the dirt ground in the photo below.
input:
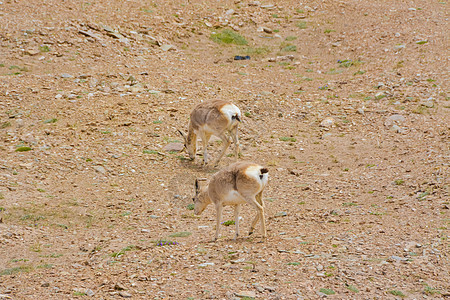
(346, 103)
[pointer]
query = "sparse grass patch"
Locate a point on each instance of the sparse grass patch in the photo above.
(256, 51)
(228, 223)
(347, 63)
(301, 25)
(44, 48)
(396, 293)
(287, 47)
(190, 206)
(429, 290)
(228, 36)
(290, 38)
(287, 139)
(421, 109)
(122, 251)
(23, 149)
(150, 151)
(352, 288)
(5, 125)
(327, 291)
(45, 266)
(181, 234)
(49, 121)
(399, 181)
(295, 263)
(15, 270)
(329, 30)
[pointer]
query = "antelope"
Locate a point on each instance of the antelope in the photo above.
(215, 117)
(239, 183)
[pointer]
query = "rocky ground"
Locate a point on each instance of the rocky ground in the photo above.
(346, 103)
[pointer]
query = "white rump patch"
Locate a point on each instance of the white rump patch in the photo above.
(230, 110)
(254, 171)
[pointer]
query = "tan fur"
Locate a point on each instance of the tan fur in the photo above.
(207, 119)
(234, 186)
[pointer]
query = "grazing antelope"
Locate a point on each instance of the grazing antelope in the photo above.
(239, 183)
(215, 117)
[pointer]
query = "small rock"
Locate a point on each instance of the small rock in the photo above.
(254, 3)
(281, 214)
(119, 287)
(295, 172)
(281, 58)
(242, 294)
(264, 29)
(269, 288)
(100, 169)
(396, 258)
(360, 111)
(206, 264)
(176, 147)
(229, 12)
(428, 104)
(45, 284)
(31, 52)
(65, 75)
(396, 128)
(167, 47)
(396, 118)
(327, 122)
(125, 294)
(89, 292)
(58, 96)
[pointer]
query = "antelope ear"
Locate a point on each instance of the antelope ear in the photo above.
(182, 134)
(197, 187)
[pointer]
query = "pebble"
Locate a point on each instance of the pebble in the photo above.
(125, 294)
(229, 12)
(66, 75)
(100, 169)
(177, 147)
(242, 294)
(428, 104)
(327, 122)
(31, 52)
(206, 264)
(167, 47)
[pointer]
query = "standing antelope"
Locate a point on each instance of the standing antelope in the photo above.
(239, 183)
(212, 118)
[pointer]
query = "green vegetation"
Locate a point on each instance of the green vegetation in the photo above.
(287, 139)
(228, 223)
(15, 270)
(122, 252)
(397, 293)
(48, 121)
(44, 48)
(352, 288)
(228, 36)
(181, 234)
(327, 291)
(23, 149)
(302, 25)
